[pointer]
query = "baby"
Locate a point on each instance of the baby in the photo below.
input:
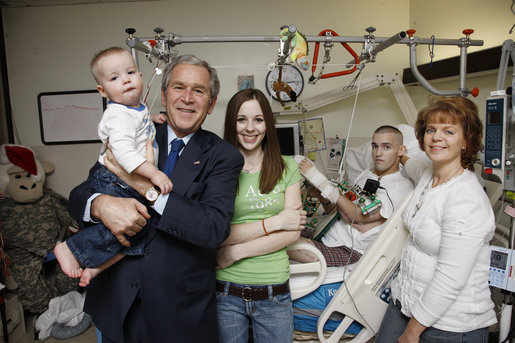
(126, 126)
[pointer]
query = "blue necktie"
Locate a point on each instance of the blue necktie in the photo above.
(177, 145)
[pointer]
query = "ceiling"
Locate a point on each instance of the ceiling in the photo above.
(36, 3)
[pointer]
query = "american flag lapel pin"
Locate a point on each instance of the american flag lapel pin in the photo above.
(196, 163)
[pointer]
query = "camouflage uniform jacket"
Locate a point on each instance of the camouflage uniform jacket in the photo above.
(30, 231)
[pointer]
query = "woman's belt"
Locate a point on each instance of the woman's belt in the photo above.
(249, 293)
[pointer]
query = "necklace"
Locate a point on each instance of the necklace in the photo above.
(450, 177)
(422, 196)
(427, 187)
(252, 167)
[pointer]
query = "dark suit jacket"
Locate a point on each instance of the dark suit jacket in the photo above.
(176, 277)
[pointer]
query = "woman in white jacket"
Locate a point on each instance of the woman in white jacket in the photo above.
(441, 293)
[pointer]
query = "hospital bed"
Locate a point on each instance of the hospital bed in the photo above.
(364, 294)
(314, 271)
(363, 298)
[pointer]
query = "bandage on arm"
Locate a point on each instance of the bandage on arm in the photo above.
(317, 179)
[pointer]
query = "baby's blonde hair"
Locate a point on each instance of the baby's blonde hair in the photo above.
(101, 54)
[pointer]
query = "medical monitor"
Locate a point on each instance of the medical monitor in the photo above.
(289, 138)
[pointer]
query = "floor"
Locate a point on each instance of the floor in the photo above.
(88, 336)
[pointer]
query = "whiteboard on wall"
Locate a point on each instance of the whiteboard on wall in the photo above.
(70, 117)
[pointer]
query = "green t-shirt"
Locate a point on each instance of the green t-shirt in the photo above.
(250, 206)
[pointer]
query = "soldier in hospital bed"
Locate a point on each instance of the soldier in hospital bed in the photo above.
(347, 238)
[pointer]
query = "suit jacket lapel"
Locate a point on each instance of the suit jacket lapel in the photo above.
(189, 164)
(162, 143)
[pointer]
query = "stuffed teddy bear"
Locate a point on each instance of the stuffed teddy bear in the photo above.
(298, 47)
(33, 220)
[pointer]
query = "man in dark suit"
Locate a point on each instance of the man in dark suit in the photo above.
(168, 294)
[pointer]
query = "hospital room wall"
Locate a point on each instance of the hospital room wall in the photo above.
(491, 21)
(49, 48)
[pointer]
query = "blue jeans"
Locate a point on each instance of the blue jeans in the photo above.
(271, 319)
(394, 323)
(96, 244)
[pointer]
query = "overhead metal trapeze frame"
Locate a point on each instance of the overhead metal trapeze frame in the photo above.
(161, 47)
